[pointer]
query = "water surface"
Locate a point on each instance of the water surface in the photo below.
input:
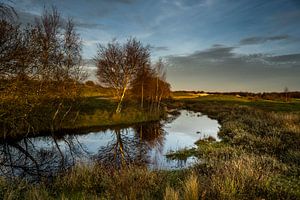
(144, 144)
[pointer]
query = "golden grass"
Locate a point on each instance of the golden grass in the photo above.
(188, 95)
(171, 194)
(191, 188)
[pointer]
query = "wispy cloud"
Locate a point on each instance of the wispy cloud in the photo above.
(30, 18)
(159, 48)
(91, 42)
(221, 68)
(226, 55)
(88, 25)
(260, 40)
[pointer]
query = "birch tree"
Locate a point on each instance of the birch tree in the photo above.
(118, 65)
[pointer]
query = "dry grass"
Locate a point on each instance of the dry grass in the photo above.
(191, 188)
(243, 177)
(171, 194)
(188, 95)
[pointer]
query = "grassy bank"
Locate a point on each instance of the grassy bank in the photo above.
(258, 158)
(22, 119)
(99, 111)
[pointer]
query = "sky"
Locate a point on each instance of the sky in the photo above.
(208, 45)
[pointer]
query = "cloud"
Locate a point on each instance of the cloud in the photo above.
(217, 53)
(220, 68)
(29, 18)
(26, 17)
(226, 55)
(286, 18)
(260, 40)
(124, 1)
(89, 63)
(87, 25)
(159, 48)
(183, 4)
(285, 59)
(91, 42)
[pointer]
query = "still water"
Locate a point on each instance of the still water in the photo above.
(144, 144)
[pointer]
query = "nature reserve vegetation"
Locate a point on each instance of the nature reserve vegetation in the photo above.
(44, 91)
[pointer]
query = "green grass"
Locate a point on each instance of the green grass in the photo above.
(258, 158)
(24, 119)
(293, 105)
(95, 111)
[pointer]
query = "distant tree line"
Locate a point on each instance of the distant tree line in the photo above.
(285, 95)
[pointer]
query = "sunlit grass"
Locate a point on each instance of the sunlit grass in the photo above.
(258, 158)
(191, 187)
(170, 193)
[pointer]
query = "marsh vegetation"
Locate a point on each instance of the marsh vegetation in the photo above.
(257, 157)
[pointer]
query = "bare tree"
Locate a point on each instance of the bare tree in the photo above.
(162, 87)
(118, 65)
(138, 56)
(150, 86)
(47, 37)
(109, 61)
(72, 53)
(141, 86)
(40, 69)
(286, 91)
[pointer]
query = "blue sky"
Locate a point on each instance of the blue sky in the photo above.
(211, 45)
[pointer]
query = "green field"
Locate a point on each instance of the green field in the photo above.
(258, 158)
(293, 105)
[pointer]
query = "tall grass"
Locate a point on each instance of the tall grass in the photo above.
(191, 188)
(170, 193)
(258, 158)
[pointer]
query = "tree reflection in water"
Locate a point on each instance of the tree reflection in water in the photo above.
(143, 144)
(131, 145)
(36, 158)
(44, 157)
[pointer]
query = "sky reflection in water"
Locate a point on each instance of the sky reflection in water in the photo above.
(145, 144)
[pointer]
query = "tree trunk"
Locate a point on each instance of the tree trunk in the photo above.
(156, 92)
(121, 148)
(118, 110)
(142, 100)
(159, 100)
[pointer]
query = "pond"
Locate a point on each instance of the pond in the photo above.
(143, 144)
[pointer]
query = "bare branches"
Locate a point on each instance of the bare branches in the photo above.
(72, 48)
(39, 65)
(118, 65)
(150, 86)
(9, 44)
